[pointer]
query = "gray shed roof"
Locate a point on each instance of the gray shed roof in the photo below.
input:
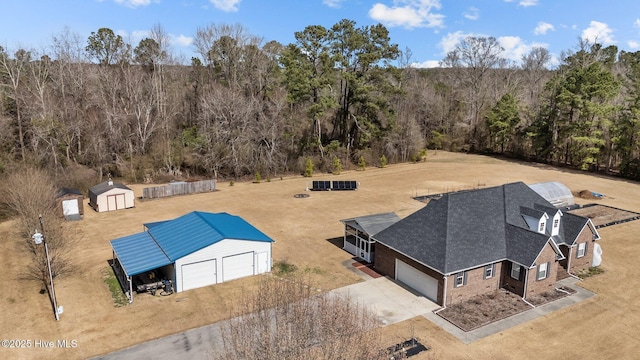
(372, 224)
(106, 186)
(468, 229)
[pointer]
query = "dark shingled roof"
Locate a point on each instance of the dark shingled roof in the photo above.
(67, 191)
(372, 224)
(468, 229)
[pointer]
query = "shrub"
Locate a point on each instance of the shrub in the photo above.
(257, 178)
(361, 163)
(383, 161)
(337, 166)
(308, 168)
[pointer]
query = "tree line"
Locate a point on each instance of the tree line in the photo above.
(338, 96)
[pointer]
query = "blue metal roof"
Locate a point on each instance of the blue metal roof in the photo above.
(139, 253)
(166, 241)
(196, 230)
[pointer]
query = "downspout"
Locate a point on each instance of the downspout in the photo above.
(444, 296)
(524, 293)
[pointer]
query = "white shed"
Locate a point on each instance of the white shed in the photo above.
(110, 196)
(195, 250)
(554, 192)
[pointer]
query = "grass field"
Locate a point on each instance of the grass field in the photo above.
(606, 326)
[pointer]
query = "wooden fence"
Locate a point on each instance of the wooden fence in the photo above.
(178, 188)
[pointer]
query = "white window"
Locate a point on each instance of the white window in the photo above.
(582, 249)
(543, 271)
(460, 279)
(515, 271)
(488, 271)
(556, 223)
(541, 226)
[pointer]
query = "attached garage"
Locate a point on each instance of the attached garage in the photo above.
(417, 280)
(199, 249)
(110, 196)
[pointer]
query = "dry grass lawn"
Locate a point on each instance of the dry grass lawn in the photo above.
(605, 326)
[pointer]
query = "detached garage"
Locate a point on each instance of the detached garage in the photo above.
(110, 196)
(195, 250)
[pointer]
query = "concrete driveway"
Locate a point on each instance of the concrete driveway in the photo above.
(390, 301)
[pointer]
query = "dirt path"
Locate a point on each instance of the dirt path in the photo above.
(607, 325)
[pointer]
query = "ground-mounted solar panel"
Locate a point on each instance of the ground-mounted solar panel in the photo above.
(344, 185)
(320, 185)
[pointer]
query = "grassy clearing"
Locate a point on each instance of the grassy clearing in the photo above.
(119, 298)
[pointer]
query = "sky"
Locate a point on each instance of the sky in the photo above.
(428, 28)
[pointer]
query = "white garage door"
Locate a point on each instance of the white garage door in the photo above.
(70, 207)
(198, 274)
(237, 266)
(417, 280)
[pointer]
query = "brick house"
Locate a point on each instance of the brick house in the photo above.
(473, 242)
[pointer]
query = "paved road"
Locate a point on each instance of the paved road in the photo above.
(392, 304)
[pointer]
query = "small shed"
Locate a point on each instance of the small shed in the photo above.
(359, 230)
(70, 204)
(554, 192)
(110, 196)
(195, 250)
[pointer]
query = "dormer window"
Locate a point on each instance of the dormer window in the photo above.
(541, 226)
(556, 223)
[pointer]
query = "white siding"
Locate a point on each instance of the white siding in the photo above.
(224, 248)
(115, 199)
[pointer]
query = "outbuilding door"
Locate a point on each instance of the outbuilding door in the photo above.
(237, 266)
(199, 274)
(70, 207)
(417, 280)
(115, 202)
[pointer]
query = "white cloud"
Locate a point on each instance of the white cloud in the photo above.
(472, 14)
(135, 3)
(543, 28)
(226, 5)
(633, 44)
(408, 13)
(333, 3)
(527, 3)
(181, 40)
(449, 41)
(598, 32)
(514, 47)
(636, 23)
(426, 64)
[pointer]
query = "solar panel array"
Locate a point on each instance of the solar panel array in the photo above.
(321, 185)
(324, 185)
(344, 185)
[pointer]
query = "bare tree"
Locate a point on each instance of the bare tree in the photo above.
(285, 319)
(472, 59)
(29, 193)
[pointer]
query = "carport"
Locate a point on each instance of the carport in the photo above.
(134, 255)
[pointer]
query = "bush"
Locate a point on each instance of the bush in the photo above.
(383, 161)
(337, 166)
(257, 178)
(361, 163)
(308, 168)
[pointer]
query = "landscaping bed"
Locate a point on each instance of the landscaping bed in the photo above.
(484, 309)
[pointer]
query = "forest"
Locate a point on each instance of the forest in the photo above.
(337, 98)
